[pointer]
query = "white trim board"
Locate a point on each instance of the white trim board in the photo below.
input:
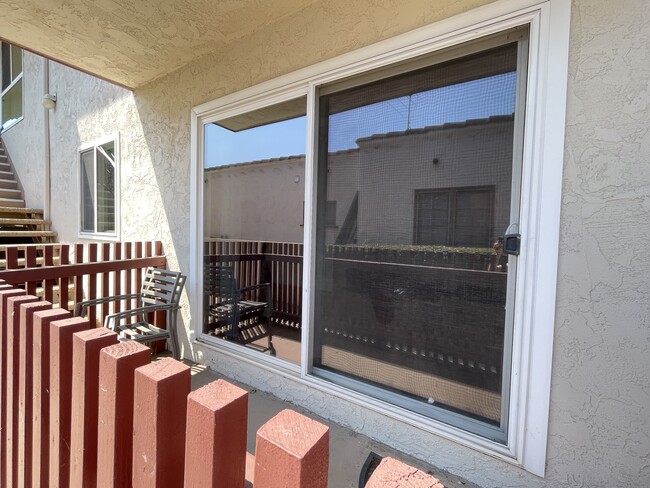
(543, 161)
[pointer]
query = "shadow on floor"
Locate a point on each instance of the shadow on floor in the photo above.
(348, 449)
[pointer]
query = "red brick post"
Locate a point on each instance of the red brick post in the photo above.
(117, 365)
(13, 349)
(292, 451)
(86, 347)
(159, 409)
(41, 394)
(392, 473)
(4, 346)
(215, 445)
(61, 333)
(25, 385)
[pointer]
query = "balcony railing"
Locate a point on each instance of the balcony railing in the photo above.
(65, 274)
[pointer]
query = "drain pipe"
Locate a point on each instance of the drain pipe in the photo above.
(46, 139)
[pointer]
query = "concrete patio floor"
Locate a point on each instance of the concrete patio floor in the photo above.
(348, 449)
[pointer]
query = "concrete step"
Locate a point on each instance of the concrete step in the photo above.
(11, 202)
(8, 183)
(10, 221)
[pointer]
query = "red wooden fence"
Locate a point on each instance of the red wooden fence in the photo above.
(81, 410)
(65, 274)
(254, 262)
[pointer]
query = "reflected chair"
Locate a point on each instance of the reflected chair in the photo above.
(161, 292)
(236, 314)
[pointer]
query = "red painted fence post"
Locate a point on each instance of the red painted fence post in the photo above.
(292, 451)
(117, 366)
(4, 379)
(11, 404)
(61, 396)
(25, 385)
(41, 394)
(86, 347)
(392, 473)
(159, 409)
(215, 445)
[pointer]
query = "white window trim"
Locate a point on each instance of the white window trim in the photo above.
(543, 162)
(101, 236)
(22, 100)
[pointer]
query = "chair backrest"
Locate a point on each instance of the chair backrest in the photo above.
(161, 287)
(220, 282)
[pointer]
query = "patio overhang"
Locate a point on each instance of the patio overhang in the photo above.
(134, 43)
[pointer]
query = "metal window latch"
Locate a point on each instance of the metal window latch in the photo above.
(512, 240)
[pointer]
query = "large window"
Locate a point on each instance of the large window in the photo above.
(388, 265)
(425, 319)
(98, 189)
(12, 85)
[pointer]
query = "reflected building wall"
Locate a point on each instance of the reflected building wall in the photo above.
(263, 200)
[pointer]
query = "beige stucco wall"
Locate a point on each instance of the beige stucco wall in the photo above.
(600, 385)
(24, 140)
(256, 201)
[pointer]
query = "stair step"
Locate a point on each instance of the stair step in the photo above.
(8, 183)
(12, 202)
(10, 193)
(7, 175)
(10, 221)
(21, 262)
(21, 210)
(4, 165)
(27, 233)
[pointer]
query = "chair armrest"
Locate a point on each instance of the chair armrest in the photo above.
(111, 320)
(255, 287)
(81, 307)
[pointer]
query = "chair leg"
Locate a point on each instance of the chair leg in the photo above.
(176, 353)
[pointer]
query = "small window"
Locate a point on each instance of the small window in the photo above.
(454, 217)
(98, 189)
(12, 85)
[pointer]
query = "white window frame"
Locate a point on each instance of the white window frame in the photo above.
(548, 21)
(111, 236)
(13, 83)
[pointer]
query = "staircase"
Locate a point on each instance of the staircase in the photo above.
(18, 225)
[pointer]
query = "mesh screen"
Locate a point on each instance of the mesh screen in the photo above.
(411, 285)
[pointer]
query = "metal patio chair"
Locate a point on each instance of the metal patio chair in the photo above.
(161, 292)
(236, 314)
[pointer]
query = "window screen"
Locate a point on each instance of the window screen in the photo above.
(409, 303)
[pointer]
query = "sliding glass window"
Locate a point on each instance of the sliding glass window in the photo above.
(414, 290)
(254, 180)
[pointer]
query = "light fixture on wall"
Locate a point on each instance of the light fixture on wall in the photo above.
(49, 101)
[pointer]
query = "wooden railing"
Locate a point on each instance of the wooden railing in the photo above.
(65, 274)
(280, 263)
(79, 409)
(254, 262)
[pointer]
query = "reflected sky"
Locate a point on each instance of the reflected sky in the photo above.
(476, 99)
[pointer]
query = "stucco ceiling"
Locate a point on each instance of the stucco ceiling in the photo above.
(132, 42)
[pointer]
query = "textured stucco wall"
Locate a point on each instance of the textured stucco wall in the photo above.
(25, 139)
(600, 395)
(260, 201)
